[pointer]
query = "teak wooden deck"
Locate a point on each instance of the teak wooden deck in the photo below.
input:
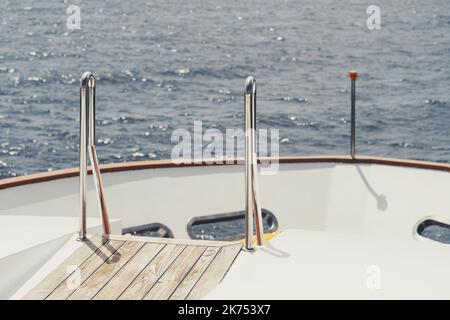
(129, 267)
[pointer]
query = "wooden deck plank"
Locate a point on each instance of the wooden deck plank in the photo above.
(216, 271)
(194, 275)
(117, 285)
(63, 271)
(106, 271)
(66, 288)
(127, 267)
(206, 243)
(152, 272)
(169, 281)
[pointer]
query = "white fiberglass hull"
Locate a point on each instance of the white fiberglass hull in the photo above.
(347, 204)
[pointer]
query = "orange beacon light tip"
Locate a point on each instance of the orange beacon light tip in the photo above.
(353, 75)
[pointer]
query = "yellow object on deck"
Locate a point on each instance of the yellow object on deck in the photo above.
(267, 236)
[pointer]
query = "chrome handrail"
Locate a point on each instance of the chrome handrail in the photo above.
(353, 75)
(252, 206)
(87, 145)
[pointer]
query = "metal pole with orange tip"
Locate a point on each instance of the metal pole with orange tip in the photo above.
(353, 75)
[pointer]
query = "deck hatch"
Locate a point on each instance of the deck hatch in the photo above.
(227, 226)
(157, 230)
(434, 230)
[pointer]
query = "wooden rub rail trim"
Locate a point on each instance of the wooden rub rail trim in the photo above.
(158, 164)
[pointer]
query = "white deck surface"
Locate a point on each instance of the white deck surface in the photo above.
(30, 247)
(301, 264)
(19, 233)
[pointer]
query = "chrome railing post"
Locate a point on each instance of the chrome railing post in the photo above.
(86, 94)
(252, 207)
(87, 146)
(353, 75)
(91, 112)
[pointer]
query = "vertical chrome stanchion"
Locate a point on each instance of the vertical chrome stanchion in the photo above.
(253, 216)
(87, 146)
(353, 75)
(91, 113)
(86, 93)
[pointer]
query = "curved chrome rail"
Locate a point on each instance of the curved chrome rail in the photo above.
(87, 142)
(253, 215)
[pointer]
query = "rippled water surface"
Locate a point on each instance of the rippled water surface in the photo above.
(163, 64)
